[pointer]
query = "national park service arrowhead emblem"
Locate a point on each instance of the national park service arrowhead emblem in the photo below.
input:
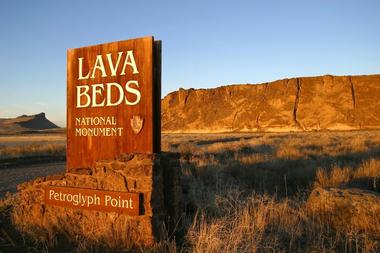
(137, 124)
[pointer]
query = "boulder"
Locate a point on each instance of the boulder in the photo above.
(347, 210)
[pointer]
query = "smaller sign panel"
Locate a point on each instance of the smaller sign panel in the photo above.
(95, 200)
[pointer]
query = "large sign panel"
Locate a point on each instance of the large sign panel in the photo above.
(113, 100)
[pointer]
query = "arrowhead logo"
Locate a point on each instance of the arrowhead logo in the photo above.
(137, 124)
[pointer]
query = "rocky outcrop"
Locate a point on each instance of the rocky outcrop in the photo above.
(26, 123)
(297, 104)
(38, 121)
(348, 210)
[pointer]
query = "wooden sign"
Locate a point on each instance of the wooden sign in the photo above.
(113, 100)
(95, 200)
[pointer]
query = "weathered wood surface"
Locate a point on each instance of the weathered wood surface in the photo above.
(84, 151)
(96, 200)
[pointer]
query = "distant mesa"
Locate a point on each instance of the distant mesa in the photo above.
(38, 121)
(26, 124)
(297, 104)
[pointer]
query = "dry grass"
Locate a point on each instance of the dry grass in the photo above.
(366, 176)
(11, 156)
(261, 223)
(32, 150)
(15, 149)
(12, 140)
(248, 192)
(269, 162)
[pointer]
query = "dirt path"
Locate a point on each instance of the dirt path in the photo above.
(11, 177)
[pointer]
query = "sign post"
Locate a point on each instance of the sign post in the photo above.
(113, 100)
(118, 191)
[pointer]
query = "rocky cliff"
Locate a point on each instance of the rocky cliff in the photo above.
(296, 104)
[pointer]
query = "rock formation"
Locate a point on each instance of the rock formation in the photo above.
(349, 210)
(297, 104)
(26, 123)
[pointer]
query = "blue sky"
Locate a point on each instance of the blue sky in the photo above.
(205, 43)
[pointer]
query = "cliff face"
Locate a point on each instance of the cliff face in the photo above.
(297, 104)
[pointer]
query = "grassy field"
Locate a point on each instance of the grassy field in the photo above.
(33, 148)
(248, 192)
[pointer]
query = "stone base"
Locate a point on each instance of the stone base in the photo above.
(154, 176)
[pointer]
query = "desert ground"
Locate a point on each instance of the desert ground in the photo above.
(31, 148)
(241, 192)
(25, 157)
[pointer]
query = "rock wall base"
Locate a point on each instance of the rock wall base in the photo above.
(154, 176)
